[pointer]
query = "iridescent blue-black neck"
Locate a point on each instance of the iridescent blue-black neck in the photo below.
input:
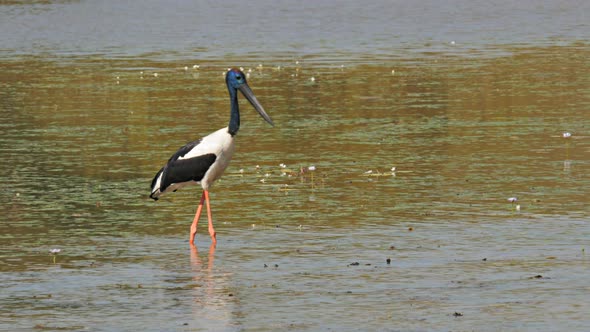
(234, 117)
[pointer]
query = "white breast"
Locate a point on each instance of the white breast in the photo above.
(220, 143)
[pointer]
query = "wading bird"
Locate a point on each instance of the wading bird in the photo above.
(203, 161)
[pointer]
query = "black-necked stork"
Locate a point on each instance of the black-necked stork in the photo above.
(203, 161)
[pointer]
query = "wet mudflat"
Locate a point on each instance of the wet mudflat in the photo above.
(403, 222)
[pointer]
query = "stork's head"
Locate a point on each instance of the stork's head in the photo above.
(236, 80)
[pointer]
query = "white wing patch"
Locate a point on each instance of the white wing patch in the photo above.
(212, 143)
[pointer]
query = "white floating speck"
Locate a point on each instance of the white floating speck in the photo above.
(393, 72)
(311, 168)
(512, 199)
(54, 251)
(242, 68)
(155, 74)
(196, 66)
(452, 42)
(241, 171)
(517, 207)
(369, 171)
(282, 165)
(297, 62)
(566, 135)
(185, 68)
(312, 79)
(393, 169)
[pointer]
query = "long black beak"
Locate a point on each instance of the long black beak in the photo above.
(247, 92)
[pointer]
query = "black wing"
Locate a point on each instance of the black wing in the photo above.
(185, 170)
(184, 150)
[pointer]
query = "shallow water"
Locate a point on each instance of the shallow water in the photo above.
(86, 123)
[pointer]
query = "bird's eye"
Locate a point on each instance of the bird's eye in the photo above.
(238, 77)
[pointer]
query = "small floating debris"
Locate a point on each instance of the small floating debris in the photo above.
(285, 188)
(311, 168)
(538, 276)
(517, 207)
(354, 264)
(388, 261)
(512, 199)
(54, 252)
(196, 66)
(378, 173)
(458, 314)
(155, 74)
(312, 79)
(566, 135)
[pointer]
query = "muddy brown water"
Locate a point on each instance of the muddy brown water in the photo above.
(466, 120)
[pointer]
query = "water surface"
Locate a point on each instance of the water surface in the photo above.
(86, 123)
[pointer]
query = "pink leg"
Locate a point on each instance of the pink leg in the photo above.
(211, 230)
(196, 220)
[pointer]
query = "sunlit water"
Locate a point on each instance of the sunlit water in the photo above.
(469, 116)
